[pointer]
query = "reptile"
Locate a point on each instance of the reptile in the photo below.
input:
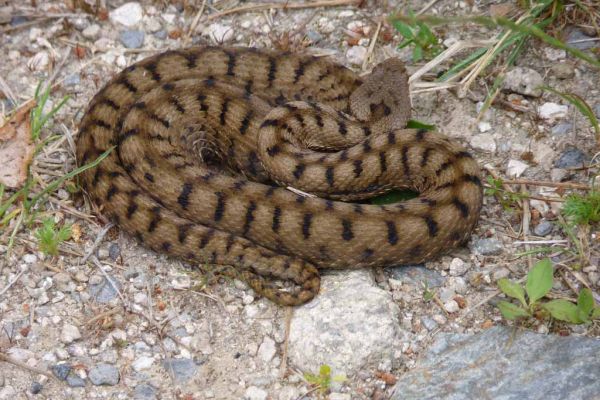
(264, 161)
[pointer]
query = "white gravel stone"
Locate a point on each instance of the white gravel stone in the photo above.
(524, 81)
(451, 306)
(349, 326)
(356, 54)
(91, 32)
(458, 267)
(129, 14)
(69, 334)
(255, 393)
(142, 363)
(30, 258)
(484, 141)
(515, 168)
(552, 111)
(219, 33)
(484, 126)
(267, 349)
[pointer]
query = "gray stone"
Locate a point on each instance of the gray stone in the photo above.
(61, 371)
(543, 228)
(525, 81)
(114, 251)
(597, 110)
(75, 381)
(429, 323)
(417, 275)
(18, 20)
(487, 247)
(72, 80)
(181, 369)
(563, 70)
(314, 36)
(572, 157)
(104, 374)
(561, 129)
(104, 291)
(144, 391)
(36, 388)
(351, 325)
(254, 393)
(129, 14)
(162, 34)
(132, 39)
(578, 39)
(501, 364)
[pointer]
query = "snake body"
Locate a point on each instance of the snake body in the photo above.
(206, 140)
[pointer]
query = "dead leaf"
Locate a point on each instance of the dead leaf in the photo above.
(16, 148)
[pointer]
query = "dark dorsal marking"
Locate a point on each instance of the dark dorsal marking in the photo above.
(392, 235)
(432, 225)
(367, 145)
(206, 238)
(276, 219)
(462, 207)
(405, 161)
(347, 233)
(329, 175)
(220, 207)
(382, 161)
(420, 135)
(112, 190)
(473, 179)
(149, 177)
(425, 156)
(224, 109)
(342, 128)
(230, 63)
(391, 137)
(131, 209)
(273, 150)
(246, 122)
(249, 217)
(358, 169)
(177, 104)
(168, 87)
(272, 70)
(184, 195)
(155, 218)
(367, 253)
(299, 170)
(182, 232)
(306, 223)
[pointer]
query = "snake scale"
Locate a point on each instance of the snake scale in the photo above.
(207, 139)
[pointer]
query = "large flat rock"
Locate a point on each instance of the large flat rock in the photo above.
(502, 364)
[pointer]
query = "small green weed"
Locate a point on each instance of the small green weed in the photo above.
(426, 44)
(506, 199)
(539, 282)
(38, 118)
(50, 236)
(583, 209)
(323, 379)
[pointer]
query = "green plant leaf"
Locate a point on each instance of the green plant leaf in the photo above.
(585, 301)
(539, 280)
(512, 311)
(595, 313)
(513, 290)
(414, 124)
(325, 370)
(563, 310)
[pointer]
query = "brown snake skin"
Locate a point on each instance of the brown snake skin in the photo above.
(202, 134)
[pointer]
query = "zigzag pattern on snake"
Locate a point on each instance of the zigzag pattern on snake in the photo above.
(208, 138)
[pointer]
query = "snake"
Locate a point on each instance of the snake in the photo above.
(266, 162)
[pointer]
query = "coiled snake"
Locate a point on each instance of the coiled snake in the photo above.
(206, 137)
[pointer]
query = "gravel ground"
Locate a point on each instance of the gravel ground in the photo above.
(108, 318)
